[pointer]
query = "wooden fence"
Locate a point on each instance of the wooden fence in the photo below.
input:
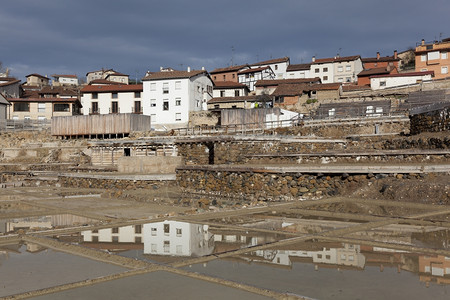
(112, 124)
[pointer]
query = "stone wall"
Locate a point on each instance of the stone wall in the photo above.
(148, 164)
(343, 129)
(264, 186)
(227, 152)
(199, 118)
(121, 184)
(434, 121)
(330, 158)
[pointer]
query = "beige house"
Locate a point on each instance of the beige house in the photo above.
(302, 97)
(42, 109)
(37, 80)
(44, 104)
(109, 74)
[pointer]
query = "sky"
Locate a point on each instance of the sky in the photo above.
(134, 36)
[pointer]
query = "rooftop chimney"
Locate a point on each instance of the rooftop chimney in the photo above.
(160, 69)
(203, 68)
(188, 69)
(313, 59)
(423, 42)
(378, 55)
(395, 54)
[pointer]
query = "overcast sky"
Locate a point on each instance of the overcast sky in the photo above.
(74, 37)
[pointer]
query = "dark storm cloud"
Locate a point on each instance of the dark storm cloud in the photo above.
(61, 36)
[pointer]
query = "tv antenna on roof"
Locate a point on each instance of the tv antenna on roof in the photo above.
(232, 55)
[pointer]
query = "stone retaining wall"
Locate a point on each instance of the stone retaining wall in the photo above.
(121, 184)
(264, 186)
(433, 121)
(339, 130)
(237, 151)
(362, 158)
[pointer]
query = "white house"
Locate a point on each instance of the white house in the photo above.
(250, 76)
(170, 95)
(298, 71)
(379, 82)
(337, 69)
(278, 66)
(112, 99)
(64, 80)
(229, 89)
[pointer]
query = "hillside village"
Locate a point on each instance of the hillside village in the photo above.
(324, 88)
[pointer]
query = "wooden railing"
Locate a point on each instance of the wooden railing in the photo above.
(246, 128)
(11, 125)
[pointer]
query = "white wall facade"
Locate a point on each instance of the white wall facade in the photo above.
(379, 83)
(67, 80)
(323, 70)
(249, 79)
(126, 102)
(279, 69)
(347, 71)
(227, 92)
(298, 74)
(169, 101)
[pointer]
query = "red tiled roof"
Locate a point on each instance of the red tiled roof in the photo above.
(254, 70)
(229, 69)
(116, 74)
(374, 71)
(37, 75)
(112, 88)
(52, 99)
(9, 82)
(271, 61)
(238, 99)
(335, 59)
(102, 70)
(174, 75)
(276, 82)
(103, 81)
(293, 89)
(57, 90)
(325, 86)
(68, 76)
(351, 87)
(405, 74)
(298, 67)
(228, 85)
(8, 79)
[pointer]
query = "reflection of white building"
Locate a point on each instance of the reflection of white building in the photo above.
(47, 222)
(125, 234)
(348, 255)
(177, 238)
(160, 238)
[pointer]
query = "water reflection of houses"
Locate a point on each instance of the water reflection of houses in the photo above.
(177, 239)
(41, 222)
(434, 268)
(318, 253)
(161, 238)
